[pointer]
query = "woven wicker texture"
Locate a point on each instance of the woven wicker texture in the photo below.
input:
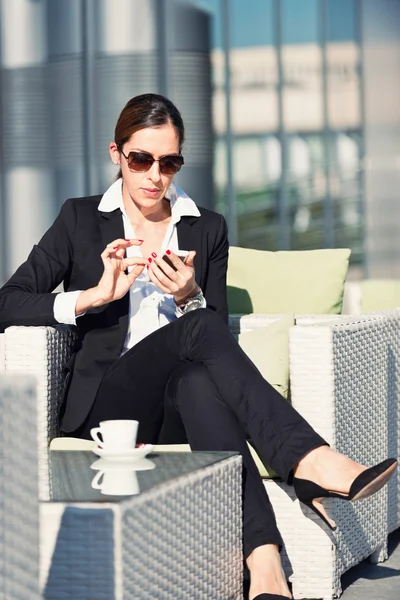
(19, 515)
(185, 538)
(42, 351)
(344, 380)
(82, 565)
(345, 374)
(342, 371)
(181, 539)
(392, 318)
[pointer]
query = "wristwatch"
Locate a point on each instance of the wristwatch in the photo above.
(192, 303)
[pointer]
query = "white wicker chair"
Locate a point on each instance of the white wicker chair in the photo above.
(344, 381)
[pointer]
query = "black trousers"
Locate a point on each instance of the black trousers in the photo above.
(190, 381)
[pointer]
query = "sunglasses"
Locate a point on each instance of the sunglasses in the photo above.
(142, 162)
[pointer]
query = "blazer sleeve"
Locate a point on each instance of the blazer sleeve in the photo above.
(215, 290)
(27, 298)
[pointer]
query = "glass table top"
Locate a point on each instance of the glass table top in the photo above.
(80, 476)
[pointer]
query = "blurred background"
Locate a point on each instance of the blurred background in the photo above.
(292, 110)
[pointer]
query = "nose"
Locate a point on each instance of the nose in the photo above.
(155, 173)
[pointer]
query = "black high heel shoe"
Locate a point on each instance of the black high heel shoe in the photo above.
(366, 484)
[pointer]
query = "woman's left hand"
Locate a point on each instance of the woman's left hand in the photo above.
(180, 283)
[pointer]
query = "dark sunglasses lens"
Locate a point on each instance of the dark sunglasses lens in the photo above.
(171, 164)
(138, 161)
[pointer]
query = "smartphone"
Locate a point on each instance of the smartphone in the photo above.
(182, 255)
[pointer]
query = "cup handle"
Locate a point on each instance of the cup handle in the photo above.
(95, 435)
(96, 480)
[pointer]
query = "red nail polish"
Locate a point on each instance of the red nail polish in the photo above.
(150, 259)
(141, 241)
(115, 248)
(127, 240)
(168, 252)
(147, 267)
(154, 254)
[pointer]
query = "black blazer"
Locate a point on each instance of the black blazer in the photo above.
(69, 252)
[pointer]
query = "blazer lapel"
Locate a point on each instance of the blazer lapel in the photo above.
(190, 238)
(112, 228)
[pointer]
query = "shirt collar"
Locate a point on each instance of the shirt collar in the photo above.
(181, 204)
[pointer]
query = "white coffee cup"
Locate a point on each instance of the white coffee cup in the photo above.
(116, 482)
(117, 434)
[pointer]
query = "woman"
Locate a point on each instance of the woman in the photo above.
(154, 345)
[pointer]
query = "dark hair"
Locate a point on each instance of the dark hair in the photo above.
(147, 110)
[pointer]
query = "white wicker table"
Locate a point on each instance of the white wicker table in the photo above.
(179, 537)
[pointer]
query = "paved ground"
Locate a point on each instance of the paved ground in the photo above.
(375, 582)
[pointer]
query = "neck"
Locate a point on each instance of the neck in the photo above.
(138, 215)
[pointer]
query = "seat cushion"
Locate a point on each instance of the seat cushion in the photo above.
(268, 348)
(301, 282)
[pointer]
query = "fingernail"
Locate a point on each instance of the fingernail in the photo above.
(141, 241)
(150, 259)
(147, 267)
(154, 254)
(115, 247)
(127, 240)
(168, 252)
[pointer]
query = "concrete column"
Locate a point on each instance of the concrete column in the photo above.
(125, 64)
(69, 155)
(27, 177)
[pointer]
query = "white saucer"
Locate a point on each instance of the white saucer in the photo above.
(142, 464)
(125, 455)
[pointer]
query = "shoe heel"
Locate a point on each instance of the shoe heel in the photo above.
(321, 515)
(307, 492)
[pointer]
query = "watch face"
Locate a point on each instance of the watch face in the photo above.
(193, 304)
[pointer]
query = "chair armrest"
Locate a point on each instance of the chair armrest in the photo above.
(342, 383)
(42, 351)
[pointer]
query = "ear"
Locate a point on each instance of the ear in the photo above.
(114, 153)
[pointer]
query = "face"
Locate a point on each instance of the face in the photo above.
(147, 189)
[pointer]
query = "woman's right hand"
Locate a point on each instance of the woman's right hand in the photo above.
(115, 282)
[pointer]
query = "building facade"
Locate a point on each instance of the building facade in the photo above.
(291, 109)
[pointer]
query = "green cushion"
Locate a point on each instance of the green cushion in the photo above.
(302, 282)
(379, 294)
(268, 348)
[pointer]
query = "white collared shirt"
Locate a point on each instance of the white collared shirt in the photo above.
(149, 307)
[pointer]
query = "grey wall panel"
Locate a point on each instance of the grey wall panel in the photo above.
(65, 111)
(118, 78)
(189, 73)
(25, 117)
(191, 27)
(197, 182)
(64, 32)
(381, 67)
(191, 90)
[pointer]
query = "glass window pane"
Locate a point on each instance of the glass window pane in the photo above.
(257, 170)
(345, 177)
(342, 22)
(306, 191)
(300, 21)
(343, 59)
(302, 66)
(254, 117)
(252, 23)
